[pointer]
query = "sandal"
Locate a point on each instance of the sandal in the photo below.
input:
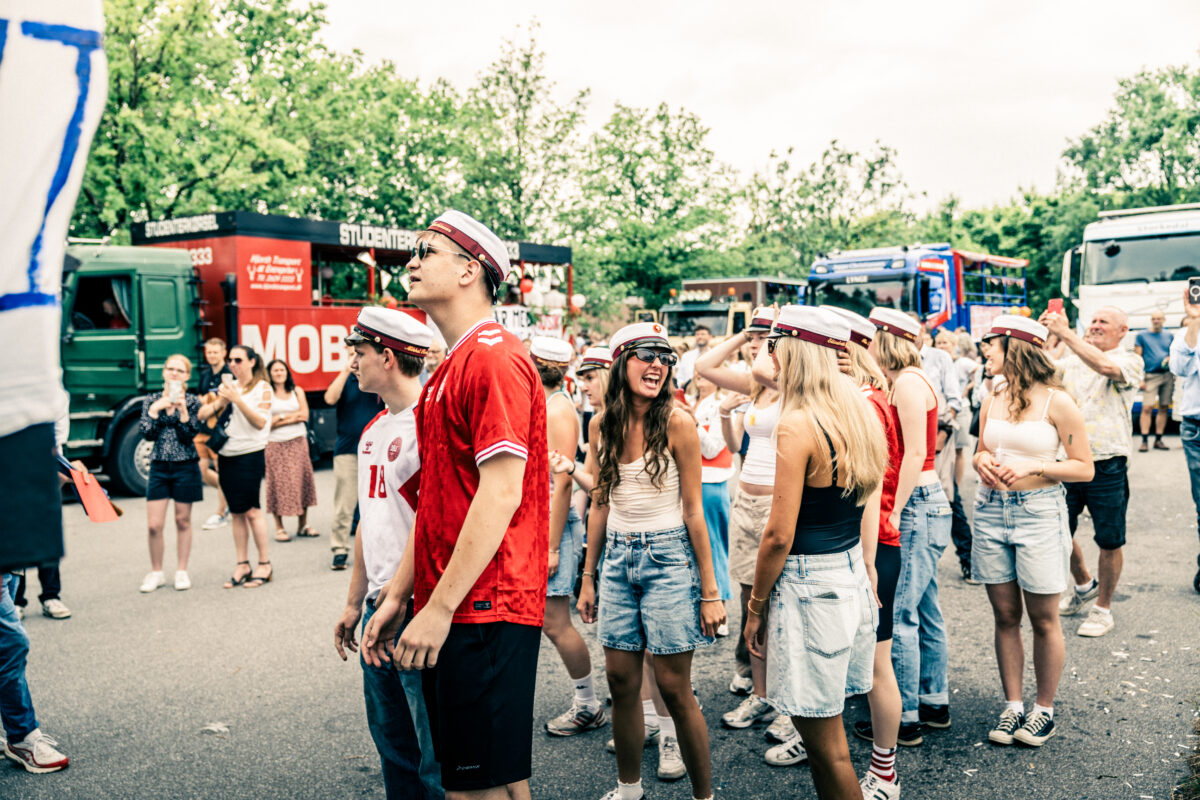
(307, 532)
(255, 581)
(234, 580)
(282, 536)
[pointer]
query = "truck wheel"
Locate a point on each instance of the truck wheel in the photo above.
(128, 464)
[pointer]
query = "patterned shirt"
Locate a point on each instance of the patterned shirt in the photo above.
(1107, 404)
(172, 438)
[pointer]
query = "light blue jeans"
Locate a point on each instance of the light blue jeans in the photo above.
(716, 517)
(919, 650)
(16, 706)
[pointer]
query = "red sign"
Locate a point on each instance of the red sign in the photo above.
(274, 272)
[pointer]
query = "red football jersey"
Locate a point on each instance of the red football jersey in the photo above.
(888, 533)
(485, 399)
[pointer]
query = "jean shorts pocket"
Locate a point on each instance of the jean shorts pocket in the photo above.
(668, 554)
(830, 621)
(1046, 506)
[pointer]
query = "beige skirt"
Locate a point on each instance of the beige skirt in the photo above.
(746, 524)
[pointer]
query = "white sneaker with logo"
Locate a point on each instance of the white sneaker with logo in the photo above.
(1097, 623)
(751, 710)
(1073, 600)
(741, 684)
(876, 788)
(670, 759)
(37, 753)
(782, 729)
(785, 755)
(55, 609)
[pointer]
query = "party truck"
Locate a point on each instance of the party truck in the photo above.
(945, 286)
(723, 305)
(288, 288)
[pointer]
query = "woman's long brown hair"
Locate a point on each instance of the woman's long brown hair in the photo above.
(1025, 365)
(614, 423)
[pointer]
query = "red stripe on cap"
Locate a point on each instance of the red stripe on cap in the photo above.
(381, 338)
(1017, 333)
(471, 246)
(892, 329)
(810, 336)
(633, 344)
(762, 322)
(592, 363)
(859, 338)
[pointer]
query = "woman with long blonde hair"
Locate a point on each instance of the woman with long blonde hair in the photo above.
(810, 580)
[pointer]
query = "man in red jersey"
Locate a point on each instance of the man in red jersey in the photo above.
(477, 559)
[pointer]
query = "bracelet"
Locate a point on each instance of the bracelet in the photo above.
(726, 416)
(752, 611)
(1043, 472)
(572, 472)
(589, 574)
(710, 600)
(754, 599)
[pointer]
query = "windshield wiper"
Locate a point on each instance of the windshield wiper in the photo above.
(1123, 280)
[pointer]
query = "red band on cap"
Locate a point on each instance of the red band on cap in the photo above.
(473, 247)
(1016, 333)
(380, 338)
(892, 329)
(592, 363)
(810, 336)
(633, 344)
(860, 338)
(762, 322)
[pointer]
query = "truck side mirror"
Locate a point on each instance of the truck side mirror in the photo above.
(924, 292)
(1071, 263)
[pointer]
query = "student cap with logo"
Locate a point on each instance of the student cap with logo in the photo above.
(595, 358)
(1024, 328)
(388, 327)
(813, 325)
(861, 329)
(639, 334)
(896, 323)
(550, 351)
(478, 240)
(762, 319)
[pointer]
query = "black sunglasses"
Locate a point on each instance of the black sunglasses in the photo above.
(424, 249)
(237, 360)
(667, 358)
(771, 345)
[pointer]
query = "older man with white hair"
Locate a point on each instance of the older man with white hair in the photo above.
(1103, 377)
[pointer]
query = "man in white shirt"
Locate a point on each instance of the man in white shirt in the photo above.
(686, 369)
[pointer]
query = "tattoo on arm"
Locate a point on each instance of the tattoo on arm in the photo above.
(1070, 438)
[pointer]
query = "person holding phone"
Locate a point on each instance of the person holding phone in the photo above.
(171, 419)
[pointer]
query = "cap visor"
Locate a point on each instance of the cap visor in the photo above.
(355, 338)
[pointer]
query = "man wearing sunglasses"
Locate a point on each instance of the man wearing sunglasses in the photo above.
(476, 563)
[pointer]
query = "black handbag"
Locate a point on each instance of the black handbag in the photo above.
(220, 434)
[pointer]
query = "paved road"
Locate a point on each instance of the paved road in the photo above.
(131, 682)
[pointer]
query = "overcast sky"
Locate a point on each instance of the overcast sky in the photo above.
(978, 96)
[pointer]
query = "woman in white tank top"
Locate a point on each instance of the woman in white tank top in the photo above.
(1021, 545)
(660, 593)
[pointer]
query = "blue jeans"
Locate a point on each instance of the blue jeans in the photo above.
(16, 706)
(1189, 433)
(716, 517)
(919, 650)
(400, 727)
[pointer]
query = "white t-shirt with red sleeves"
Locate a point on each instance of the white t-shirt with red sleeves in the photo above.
(389, 474)
(485, 399)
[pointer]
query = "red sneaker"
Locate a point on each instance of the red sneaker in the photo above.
(37, 753)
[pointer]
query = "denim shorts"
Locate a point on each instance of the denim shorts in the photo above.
(562, 582)
(1022, 537)
(821, 634)
(650, 593)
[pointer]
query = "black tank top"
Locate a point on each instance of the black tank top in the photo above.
(828, 522)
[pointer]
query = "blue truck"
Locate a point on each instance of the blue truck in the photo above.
(946, 286)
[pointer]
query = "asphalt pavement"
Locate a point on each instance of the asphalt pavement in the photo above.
(239, 693)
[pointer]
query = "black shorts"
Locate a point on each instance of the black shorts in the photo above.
(175, 480)
(241, 480)
(887, 570)
(1106, 497)
(32, 533)
(480, 703)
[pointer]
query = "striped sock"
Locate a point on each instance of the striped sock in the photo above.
(883, 762)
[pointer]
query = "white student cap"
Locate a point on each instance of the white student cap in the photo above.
(896, 322)
(813, 325)
(862, 331)
(639, 334)
(388, 327)
(762, 319)
(554, 352)
(478, 240)
(1025, 328)
(595, 358)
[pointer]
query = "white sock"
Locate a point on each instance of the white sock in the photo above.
(1048, 711)
(630, 791)
(648, 713)
(1102, 609)
(585, 691)
(1083, 587)
(666, 727)
(1015, 705)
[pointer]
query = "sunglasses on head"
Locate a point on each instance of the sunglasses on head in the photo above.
(648, 355)
(424, 249)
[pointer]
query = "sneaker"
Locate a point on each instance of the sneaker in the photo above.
(1073, 599)
(339, 561)
(1145, 447)
(670, 760)
(1159, 444)
(1038, 727)
(782, 729)
(55, 609)
(908, 736)
(1010, 720)
(723, 629)
(183, 581)
(216, 521)
(744, 684)
(966, 576)
(751, 710)
(651, 737)
(577, 719)
(152, 581)
(37, 753)
(1097, 623)
(615, 794)
(876, 788)
(934, 716)
(785, 755)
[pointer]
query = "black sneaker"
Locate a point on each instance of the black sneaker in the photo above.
(1009, 722)
(934, 716)
(909, 735)
(1038, 727)
(339, 561)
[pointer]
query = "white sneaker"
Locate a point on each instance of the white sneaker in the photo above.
(1097, 623)
(782, 729)
(152, 581)
(182, 581)
(55, 609)
(876, 788)
(751, 710)
(741, 684)
(216, 521)
(786, 754)
(652, 731)
(1073, 600)
(670, 760)
(615, 794)
(37, 752)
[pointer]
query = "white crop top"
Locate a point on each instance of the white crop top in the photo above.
(636, 505)
(758, 468)
(1028, 440)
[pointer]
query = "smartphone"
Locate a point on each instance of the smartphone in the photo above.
(227, 379)
(174, 390)
(1055, 305)
(1194, 291)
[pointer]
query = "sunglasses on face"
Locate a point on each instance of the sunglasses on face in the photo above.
(237, 360)
(647, 355)
(424, 249)
(771, 345)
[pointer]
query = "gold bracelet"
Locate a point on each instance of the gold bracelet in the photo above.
(589, 574)
(1043, 472)
(754, 599)
(752, 611)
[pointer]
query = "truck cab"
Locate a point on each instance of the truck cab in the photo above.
(125, 311)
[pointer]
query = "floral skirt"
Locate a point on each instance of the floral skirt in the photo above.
(290, 485)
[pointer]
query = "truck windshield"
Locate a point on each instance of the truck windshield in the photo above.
(683, 322)
(1157, 258)
(862, 297)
